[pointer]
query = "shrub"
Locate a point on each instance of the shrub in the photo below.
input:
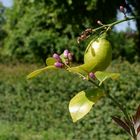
(41, 105)
(124, 45)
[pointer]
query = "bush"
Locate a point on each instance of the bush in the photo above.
(36, 29)
(40, 106)
(124, 45)
(40, 45)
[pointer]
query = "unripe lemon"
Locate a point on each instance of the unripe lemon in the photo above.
(97, 56)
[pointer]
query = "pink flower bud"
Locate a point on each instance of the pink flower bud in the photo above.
(57, 57)
(66, 53)
(92, 75)
(122, 9)
(58, 64)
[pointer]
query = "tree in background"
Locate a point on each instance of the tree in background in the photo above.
(38, 28)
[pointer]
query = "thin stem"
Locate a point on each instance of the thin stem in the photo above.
(117, 103)
(120, 106)
(113, 24)
(94, 83)
(120, 21)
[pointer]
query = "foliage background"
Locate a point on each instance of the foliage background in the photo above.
(38, 109)
(35, 29)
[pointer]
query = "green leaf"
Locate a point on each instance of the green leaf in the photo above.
(77, 70)
(102, 76)
(50, 61)
(81, 104)
(37, 72)
(62, 58)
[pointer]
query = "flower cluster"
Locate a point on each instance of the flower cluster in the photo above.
(63, 60)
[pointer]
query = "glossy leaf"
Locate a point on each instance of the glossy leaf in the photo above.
(81, 104)
(50, 61)
(63, 58)
(102, 76)
(78, 70)
(37, 72)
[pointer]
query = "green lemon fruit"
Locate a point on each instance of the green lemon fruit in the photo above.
(97, 56)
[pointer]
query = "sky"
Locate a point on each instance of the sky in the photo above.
(120, 27)
(7, 3)
(123, 26)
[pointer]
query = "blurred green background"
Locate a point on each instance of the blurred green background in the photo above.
(31, 31)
